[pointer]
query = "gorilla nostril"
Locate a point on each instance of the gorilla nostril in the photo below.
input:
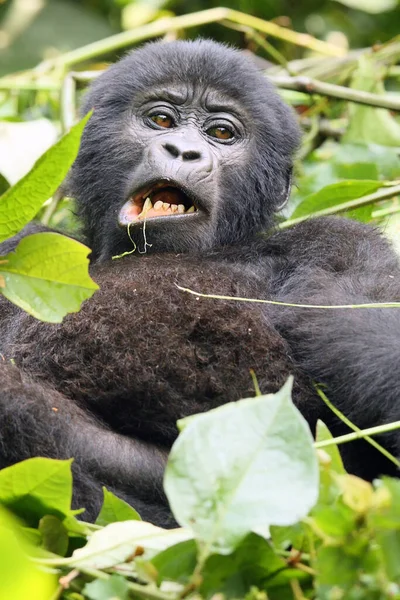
(173, 150)
(190, 155)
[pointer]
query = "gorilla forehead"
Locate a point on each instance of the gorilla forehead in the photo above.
(199, 65)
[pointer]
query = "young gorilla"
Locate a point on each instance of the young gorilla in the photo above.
(183, 163)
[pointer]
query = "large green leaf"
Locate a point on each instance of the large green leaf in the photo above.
(237, 469)
(334, 195)
(47, 276)
(36, 487)
(20, 203)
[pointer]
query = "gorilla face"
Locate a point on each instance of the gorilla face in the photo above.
(169, 163)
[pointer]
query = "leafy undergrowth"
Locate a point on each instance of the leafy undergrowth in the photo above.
(264, 515)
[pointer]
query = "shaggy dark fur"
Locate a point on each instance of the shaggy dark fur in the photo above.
(108, 385)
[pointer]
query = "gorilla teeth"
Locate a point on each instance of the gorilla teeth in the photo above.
(191, 209)
(158, 205)
(166, 205)
(174, 207)
(146, 207)
(181, 208)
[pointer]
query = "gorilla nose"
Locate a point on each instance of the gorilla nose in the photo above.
(182, 150)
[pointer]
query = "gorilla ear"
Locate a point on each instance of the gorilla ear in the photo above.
(283, 197)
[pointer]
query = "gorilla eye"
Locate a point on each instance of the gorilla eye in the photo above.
(162, 120)
(220, 133)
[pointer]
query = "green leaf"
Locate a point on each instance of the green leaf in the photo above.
(368, 124)
(114, 509)
(242, 467)
(20, 203)
(36, 487)
(176, 563)
(54, 535)
(323, 434)
(334, 195)
(119, 541)
(114, 588)
(47, 276)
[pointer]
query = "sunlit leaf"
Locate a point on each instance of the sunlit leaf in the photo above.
(47, 276)
(36, 487)
(20, 203)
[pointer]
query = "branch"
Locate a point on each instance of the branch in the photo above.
(204, 17)
(312, 86)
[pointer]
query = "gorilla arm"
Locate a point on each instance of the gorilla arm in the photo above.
(355, 352)
(36, 420)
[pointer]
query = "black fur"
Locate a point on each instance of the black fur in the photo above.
(108, 385)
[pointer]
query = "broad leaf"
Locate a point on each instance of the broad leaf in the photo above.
(20, 203)
(117, 542)
(114, 509)
(334, 195)
(242, 467)
(47, 276)
(36, 487)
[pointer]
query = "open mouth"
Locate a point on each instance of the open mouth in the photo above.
(161, 199)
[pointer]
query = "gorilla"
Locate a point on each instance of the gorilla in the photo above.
(186, 159)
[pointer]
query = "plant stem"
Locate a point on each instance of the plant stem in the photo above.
(162, 26)
(314, 86)
(357, 435)
(382, 194)
(354, 427)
